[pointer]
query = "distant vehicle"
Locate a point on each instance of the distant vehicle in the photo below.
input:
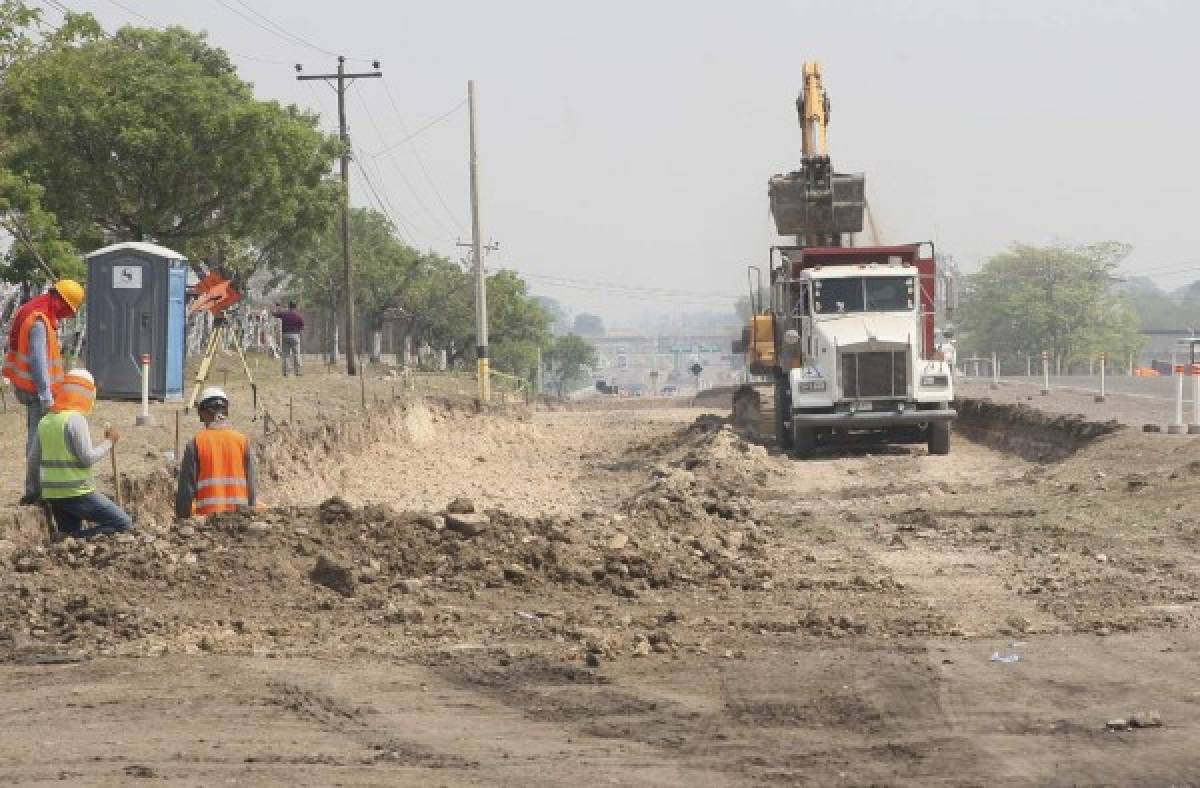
(670, 391)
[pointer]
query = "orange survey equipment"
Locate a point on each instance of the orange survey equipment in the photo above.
(215, 294)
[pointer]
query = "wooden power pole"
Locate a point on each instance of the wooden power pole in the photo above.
(342, 81)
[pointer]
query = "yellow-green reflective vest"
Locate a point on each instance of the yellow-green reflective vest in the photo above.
(62, 474)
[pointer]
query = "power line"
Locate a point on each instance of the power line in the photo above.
(420, 130)
(65, 10)
(384, 203)
(640, 293)
(420, 160)
(417, 197)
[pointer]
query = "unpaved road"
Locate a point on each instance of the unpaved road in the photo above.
(654, 601)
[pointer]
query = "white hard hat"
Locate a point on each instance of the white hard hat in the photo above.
(211, 393)
(80, 372)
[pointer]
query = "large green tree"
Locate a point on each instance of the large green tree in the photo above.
(431, 297)
(35, 242)
(1057, 298)
(150, 135)
(567, 360)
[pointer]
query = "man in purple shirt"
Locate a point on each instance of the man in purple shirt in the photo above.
(292, 325)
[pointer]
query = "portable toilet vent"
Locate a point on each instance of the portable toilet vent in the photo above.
(135, 306)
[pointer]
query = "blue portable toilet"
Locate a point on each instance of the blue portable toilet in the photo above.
(135, 306)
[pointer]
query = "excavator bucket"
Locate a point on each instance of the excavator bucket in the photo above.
(816, 202)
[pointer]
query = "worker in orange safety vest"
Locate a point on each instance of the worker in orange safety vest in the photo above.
(216, 473)
(32, 359)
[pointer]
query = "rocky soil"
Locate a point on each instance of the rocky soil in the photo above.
(634, 596)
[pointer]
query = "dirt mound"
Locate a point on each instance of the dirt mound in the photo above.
(163, 589)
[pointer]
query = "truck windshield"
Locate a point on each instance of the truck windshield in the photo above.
(863, 294)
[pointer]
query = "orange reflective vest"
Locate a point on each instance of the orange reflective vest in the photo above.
(221, 484)
(18, 366)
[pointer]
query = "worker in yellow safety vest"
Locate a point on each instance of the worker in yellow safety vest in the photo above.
(32, 359)
(216, 473)
(61, 459)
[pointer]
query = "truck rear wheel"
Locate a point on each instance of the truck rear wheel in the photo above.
(804, 442)
(939, 437)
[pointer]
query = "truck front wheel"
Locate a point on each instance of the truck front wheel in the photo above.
(939, 437)
(804, 442)
(783, 409)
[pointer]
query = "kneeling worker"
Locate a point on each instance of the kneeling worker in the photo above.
(217, 470)
(61, 459)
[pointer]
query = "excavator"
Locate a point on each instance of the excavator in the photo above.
(841, 342)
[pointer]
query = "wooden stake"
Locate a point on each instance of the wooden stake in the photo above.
(178, 456)
(116, 470)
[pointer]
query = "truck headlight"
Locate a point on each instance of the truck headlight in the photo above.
(810, 385)
(935, 380)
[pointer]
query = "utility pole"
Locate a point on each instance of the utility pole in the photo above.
(477, 249)
(343, 80)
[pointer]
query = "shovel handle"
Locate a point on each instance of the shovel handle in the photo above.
(112, 453)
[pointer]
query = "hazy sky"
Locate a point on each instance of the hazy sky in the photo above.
(628, 143)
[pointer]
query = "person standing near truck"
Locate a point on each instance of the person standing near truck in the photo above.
(293, 326)
(33, 361)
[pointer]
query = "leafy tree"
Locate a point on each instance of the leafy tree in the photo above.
(1055, 298)
(588, 325)
(560, 319)
(33, 230)
(567, 360)
(150, 135)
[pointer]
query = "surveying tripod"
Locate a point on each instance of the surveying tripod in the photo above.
(221, 326)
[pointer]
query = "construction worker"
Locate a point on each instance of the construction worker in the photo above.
(61, 459)
(33, 361)
(292, 325)
(217, 471)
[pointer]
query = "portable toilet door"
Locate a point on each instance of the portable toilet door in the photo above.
(135, 306)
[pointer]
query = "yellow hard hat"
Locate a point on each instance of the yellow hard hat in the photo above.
(71, 292)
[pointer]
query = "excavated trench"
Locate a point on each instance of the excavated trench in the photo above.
(284, 452)
(1017, 429)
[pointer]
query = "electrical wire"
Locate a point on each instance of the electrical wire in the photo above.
(379, 202)
(420, 160)
(419, 131)
(365, 106)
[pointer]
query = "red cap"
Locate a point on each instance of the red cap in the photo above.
(145, 358)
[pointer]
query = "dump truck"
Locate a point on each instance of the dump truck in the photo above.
(841, 341)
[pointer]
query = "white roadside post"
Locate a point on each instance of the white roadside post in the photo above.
(1101, 396)
(1028, 365)
(1194, 427)
(143, 420)
(1176, 427)
(1045, 372)
(995, 372)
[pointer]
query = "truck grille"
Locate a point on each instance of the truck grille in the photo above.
(874, 374)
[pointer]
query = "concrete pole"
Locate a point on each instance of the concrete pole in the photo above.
(1194, 427)
(1045, 373)
(1101, 396)
(1028, 365)
(481, 327)
(1176, 427)
(995, 371)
